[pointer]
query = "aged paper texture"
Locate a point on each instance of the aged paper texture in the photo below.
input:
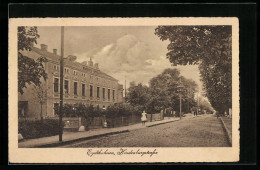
(126, 50)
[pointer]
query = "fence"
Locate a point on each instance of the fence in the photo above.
(98, 122)
(73, 123)
(154, 117)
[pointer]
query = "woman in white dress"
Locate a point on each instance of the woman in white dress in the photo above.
(144, 118)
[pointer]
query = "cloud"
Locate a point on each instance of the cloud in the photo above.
(130, 59)
(126, 54)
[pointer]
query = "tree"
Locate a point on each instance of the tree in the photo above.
(165, 93)
(41, 95)
(187, 92)
(210, 48)
(205, 105)
(164, 90)
(29, 70)
(138, 95)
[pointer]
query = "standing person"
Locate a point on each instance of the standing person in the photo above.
(144, 118)
(193, 112)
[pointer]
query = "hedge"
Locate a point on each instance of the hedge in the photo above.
(37, 128)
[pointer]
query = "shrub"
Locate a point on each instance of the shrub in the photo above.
(122, 110)
(37, 128)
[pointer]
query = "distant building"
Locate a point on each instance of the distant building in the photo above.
(83, 83)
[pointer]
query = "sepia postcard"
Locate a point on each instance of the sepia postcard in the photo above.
(123, 90)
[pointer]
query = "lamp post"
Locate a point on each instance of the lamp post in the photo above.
(61, 84)
(180, 87)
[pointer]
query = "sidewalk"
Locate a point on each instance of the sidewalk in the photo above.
(69, 137)
(227, 123)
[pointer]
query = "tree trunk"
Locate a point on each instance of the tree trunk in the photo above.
(41, 114)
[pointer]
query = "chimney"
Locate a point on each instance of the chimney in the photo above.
(44, 47)
(55, 51)
(90, 63)
(96, 65)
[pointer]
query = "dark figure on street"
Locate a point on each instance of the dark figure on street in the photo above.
(217, 113)
(144, 118)
(196, 112)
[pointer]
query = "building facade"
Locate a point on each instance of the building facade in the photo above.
(83, 83)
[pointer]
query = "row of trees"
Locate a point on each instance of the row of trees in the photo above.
(89, 112)
(163, 92)
(210, 47)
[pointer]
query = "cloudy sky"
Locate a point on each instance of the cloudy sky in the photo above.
(126, 53)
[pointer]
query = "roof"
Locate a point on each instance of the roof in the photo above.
(78, 65)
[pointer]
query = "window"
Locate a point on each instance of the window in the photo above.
(75, 88)
(113, 94)
(75, 72)
(56, 85)
(56, 108)
(104, 92)
(56, 67)
(66, 70)
(97, 92)
(66, 86)
(108, 94)
(83, 74)
(91, 91)
(83, 90)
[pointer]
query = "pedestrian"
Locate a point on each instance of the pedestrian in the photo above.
(144, 118)
(105, 124)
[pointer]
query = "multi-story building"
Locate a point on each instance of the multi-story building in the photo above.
(83, 83)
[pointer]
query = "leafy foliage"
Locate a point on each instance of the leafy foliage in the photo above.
(29, 70)
(165, 90)
(37, 128)
(88, 112)
(138, 95)
(122, 110)
(208, 46)
(162, 92)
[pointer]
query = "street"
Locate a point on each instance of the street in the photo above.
(201, 131)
